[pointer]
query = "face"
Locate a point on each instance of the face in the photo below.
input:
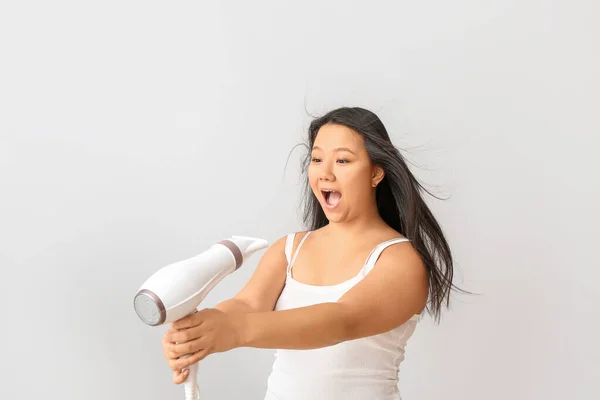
(341, 174)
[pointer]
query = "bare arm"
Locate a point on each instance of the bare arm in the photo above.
(394, 291)
(234, 305)
(265, 285)
(388, 296)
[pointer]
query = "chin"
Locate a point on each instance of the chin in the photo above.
(333, 216)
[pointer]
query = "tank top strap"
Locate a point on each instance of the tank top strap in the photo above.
(376, 252)
(289, 245)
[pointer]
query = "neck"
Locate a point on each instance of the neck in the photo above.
(350, 228)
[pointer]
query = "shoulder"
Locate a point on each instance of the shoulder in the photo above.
(394, 290)
(403, 255)
(403, 263)
(278, 248)
(296, 237)
(285, 245)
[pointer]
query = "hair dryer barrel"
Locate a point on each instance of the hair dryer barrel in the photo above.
(177, 289)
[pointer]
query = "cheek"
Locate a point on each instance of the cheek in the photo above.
(354, 186)
(312, 179)
(311, 173)
(358, 177)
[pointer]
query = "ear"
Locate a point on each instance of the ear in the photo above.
(377, 175)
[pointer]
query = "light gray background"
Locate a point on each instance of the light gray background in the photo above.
(107, 174)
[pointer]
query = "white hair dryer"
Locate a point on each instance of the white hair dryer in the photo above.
(175, 291)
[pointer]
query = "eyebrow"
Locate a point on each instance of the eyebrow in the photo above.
(337, 149)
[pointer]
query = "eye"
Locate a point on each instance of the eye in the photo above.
(343, 161)
(316, 159)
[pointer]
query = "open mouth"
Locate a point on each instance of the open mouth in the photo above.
(332, 198)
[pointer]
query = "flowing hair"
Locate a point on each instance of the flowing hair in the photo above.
(399, 200)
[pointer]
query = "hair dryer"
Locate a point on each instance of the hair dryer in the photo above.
(175, 291)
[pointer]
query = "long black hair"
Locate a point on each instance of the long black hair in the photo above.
(399, 200)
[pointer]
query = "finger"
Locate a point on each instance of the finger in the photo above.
(166, 346)
(168, 332)
(184, 335)
(170, 356)
(178, 364)
(194, 358)
(186, 362)
(180, 376)
(189, 321)
(183, 349)
(178, 361)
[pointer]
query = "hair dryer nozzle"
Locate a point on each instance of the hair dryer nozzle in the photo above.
(149, 307)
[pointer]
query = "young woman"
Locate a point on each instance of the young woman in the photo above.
(340, 300)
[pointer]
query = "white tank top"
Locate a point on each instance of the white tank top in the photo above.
(365, 368)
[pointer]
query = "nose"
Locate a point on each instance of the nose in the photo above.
(326, 174)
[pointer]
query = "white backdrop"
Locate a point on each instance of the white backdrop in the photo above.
(137, 134)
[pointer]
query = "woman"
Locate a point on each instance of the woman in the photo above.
(341, 300)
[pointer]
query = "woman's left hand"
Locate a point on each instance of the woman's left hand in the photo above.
(200, 334)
